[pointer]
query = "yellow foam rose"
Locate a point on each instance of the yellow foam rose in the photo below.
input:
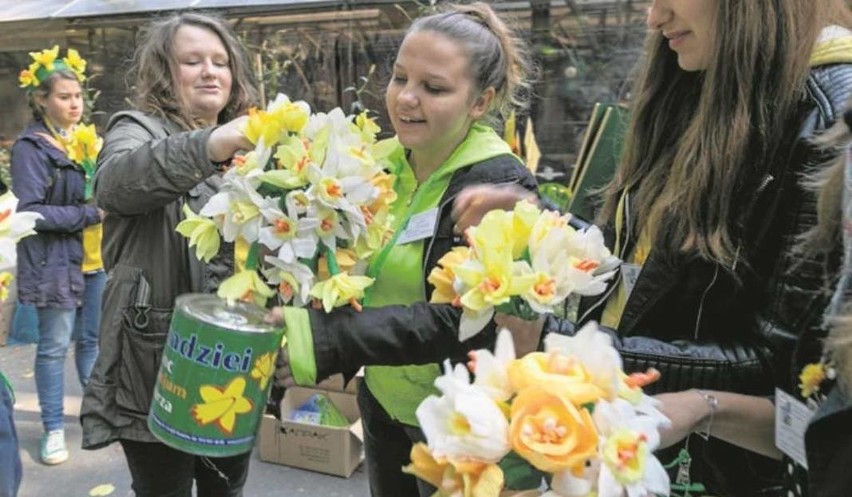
(550, 432)
(558, 372)
(455, 478)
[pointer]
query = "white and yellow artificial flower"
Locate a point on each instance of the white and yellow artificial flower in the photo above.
(594, 350)
(202, 233)
(341, 289)
(292, 158)
(13, 226)
(292, 236)
(464, 422)
(246, 286)
(236, 209)
(294, 280)
(488, 281)
(491, 368)
(628, 440)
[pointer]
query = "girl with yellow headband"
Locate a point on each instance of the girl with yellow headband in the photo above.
(59, 269)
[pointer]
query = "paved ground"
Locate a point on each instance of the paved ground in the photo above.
(88, 469)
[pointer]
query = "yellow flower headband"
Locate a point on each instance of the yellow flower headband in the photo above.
(47, 62)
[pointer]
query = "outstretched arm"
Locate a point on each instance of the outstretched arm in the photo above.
(320, 344)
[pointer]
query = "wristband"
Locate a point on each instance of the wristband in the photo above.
(712, 404)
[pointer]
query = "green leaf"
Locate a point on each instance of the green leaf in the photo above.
(519, 474)
(556, 193)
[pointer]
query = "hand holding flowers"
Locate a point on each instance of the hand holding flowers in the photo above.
(567, 419)
(313, 193)
(523, 262)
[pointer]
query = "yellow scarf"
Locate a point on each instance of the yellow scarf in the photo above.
(833, 50)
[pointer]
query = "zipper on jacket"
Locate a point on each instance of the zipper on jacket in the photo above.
(703, 298)
(763, 184)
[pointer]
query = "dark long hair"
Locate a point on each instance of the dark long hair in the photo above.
(697, 139)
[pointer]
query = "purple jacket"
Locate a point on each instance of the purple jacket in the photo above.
(47, 182)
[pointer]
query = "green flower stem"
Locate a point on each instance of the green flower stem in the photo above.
(253, 256)
(331, 259)
(88, 167)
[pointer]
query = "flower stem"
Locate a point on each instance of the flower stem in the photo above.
(253, 256)
(331, 260)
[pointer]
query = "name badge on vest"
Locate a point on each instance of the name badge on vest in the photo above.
(791, 421)
(419, 227)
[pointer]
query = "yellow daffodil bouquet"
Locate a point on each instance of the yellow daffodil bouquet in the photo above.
(83, 147)
(567, 422)
(313, 197)
(13, 226)
(523, 262)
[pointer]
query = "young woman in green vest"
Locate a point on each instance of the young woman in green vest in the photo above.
(455, 72)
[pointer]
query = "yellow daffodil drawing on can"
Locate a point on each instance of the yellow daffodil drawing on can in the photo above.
(214, 376)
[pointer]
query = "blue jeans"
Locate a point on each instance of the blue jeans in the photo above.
(56, 328)
(10, 458)
(86, 326)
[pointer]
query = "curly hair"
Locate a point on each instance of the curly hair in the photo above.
(155, 70)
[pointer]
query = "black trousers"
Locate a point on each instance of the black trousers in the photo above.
(161, 471)
(387, 448)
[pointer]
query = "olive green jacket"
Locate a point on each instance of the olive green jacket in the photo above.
(147, 170)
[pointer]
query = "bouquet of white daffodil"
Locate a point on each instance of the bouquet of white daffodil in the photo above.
(13, 226)
(523, 262)
(567, 422)
(313, 196)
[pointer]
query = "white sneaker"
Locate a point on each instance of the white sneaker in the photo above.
(53, 450)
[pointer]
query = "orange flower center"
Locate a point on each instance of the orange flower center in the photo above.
(286, 290)
(283, 226)
(368, 216)
(5, 214)
(628, 451)
(545, 288)
(334, 190)
(489, 285)
(587, 265)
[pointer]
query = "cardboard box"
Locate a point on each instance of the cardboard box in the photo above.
(332, 450)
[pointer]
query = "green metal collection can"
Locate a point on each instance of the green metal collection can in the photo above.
(214, 376)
